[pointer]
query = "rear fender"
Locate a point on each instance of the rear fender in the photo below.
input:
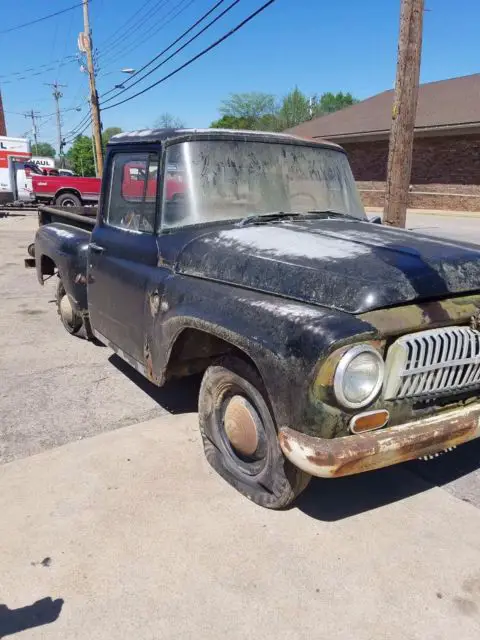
(67, 248)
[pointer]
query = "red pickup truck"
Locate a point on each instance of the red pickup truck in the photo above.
(74, 191)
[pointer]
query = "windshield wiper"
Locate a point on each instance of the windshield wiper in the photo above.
(263, 218)
(259, 218)
(329, 213)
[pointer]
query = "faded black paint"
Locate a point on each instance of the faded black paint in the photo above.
(285, 294)
(340, 264)
(67, 247)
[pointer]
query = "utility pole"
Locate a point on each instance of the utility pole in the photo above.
(404, 111)
(93, 146)
(97, 130)
(31, 114)
(57, 94)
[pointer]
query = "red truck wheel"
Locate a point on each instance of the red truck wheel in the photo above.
(68, 200)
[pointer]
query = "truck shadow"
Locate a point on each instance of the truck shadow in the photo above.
(176, 396)
(39, 613)
(335, 499)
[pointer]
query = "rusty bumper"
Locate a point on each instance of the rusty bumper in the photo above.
(363, 452)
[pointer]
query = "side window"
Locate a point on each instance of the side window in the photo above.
(132, 195)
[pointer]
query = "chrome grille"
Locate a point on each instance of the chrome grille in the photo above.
(433, 362)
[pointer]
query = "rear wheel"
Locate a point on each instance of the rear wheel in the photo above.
(68, 200)
(71, 320)
(240, 438)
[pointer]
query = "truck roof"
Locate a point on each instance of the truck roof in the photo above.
(182, 135)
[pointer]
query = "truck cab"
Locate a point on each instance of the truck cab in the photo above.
(15, 175)
(328, 345)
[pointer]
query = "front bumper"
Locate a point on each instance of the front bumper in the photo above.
(331, 458)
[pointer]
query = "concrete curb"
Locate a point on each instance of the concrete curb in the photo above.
(431, 212)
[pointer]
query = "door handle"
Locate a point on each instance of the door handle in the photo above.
(96, 248)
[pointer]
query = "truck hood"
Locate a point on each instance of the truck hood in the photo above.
(341, 264)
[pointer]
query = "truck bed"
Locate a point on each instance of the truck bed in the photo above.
(81, 217)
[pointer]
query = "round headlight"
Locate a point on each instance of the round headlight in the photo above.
(358, 377)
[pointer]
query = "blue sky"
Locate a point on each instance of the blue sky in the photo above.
(317, 45)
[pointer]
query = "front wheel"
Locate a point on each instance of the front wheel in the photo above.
(240, 438)
(71, 320)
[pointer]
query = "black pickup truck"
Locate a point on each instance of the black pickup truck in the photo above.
(329, 345)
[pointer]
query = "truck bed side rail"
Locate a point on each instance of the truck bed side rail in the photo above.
(82, 217)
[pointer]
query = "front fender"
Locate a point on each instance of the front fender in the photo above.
(67, 247)
(285, 339)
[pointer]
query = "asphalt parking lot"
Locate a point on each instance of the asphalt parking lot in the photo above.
(131, 530)
(56, 388)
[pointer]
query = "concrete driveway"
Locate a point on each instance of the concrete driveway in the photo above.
(125, 532)
(140, 539)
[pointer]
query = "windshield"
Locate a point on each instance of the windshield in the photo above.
(223, 180)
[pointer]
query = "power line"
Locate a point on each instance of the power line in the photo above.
(133, 28)
(123, 30)
(41, 66)
(201, 19)
(19, 78)
(65, 46)
(51, 15)
(145, 36)
(79, 133)
(177, 51)
(85, 121)
(199, 55)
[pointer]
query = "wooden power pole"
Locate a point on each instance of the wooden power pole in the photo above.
(404, 111)
(33, 116)
(97, 130)
(57, 94)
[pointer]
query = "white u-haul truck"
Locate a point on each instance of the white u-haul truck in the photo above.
(15, 179)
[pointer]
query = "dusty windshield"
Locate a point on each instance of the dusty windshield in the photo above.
(223, 180)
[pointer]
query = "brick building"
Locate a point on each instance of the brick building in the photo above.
(446, 153)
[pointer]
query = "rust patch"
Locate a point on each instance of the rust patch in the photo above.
(154, 302)
(147, 356)
(363, 452)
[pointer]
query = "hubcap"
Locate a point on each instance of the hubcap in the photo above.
(66, 310)
(242, 424)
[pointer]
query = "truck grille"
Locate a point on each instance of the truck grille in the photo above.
(433, 362)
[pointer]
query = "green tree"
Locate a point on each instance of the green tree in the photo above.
(168, 121)
(80, 156)
(108, 133)
(251, 106)
(43, 149)
(232, 122)
(295, 109)
(330, 102)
